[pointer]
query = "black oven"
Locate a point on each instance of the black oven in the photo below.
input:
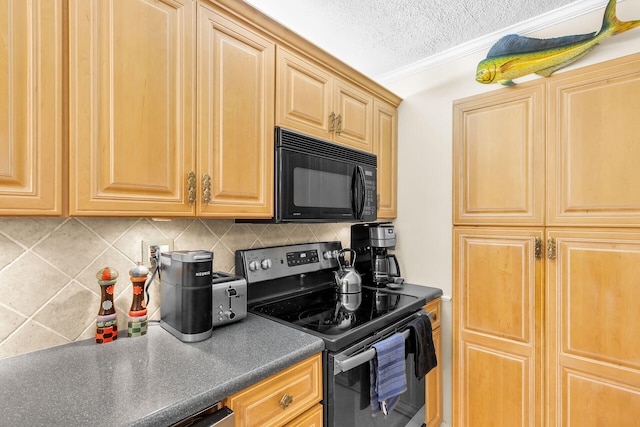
(318, 181)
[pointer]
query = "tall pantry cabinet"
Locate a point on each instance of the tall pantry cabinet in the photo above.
(547, 251)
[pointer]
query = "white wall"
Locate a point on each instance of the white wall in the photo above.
(424, 158)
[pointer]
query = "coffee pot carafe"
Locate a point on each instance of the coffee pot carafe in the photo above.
(385, 267)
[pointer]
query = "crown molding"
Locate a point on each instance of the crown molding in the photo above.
(545, 20)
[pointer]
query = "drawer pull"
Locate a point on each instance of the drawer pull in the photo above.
(285, 401)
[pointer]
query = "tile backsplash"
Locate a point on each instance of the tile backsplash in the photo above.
(49, 294)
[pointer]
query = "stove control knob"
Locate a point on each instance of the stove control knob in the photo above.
(254, 265)
(265, 263)
(327, 255)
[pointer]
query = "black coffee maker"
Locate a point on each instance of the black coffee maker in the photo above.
(372, 242)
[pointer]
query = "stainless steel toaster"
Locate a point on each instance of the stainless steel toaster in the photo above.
(229, 298)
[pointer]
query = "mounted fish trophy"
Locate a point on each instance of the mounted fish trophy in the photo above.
(515, 56)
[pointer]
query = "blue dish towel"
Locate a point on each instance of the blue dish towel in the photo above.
(388, 377)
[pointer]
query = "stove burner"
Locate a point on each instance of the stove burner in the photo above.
(323, 320)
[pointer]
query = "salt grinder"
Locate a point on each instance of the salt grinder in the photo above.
(106, 322)
(137, 325)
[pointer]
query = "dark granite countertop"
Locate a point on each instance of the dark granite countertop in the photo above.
(154, 380)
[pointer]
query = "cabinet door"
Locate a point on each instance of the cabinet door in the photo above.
(311, 418)
(235, 135)
(433, 380)
(30, 107)
(498, 157)
(385, 146)
(497, 328)
(304, 101)
(433, 403)
(131, 95)
(353, 109)
(593, 145)
(594, 350)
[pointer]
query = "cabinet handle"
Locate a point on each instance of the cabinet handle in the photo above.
(538, 248)
(332, 121)
(206, 189)
(551, 248)
(339, 123)
(191, 187)
(285, 401)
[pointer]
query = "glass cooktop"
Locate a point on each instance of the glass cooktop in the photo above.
(343, 317)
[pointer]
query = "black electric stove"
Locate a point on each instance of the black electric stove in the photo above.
(294, 285)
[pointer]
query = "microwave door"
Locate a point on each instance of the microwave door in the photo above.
(315, 188)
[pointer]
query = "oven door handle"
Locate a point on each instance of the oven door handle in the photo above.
(342, 363)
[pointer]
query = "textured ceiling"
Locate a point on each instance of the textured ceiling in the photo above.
(377, 37)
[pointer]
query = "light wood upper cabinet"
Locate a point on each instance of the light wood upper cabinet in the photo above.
(594, 351)
(305, 94)
(131, 106)
(497, 327)
(594, 147)
(236, 68)
(499, 157)
(31, 161)
(385, 147)
(353, 109)
(313, 101)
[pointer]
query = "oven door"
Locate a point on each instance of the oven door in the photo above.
(347, 387)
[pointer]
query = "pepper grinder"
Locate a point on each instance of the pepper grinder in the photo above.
(137, 325)
(106, 322)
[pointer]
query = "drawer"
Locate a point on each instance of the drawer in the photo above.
(280, 398)
(433, 307)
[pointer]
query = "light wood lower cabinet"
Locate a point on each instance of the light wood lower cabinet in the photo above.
(594, 345)
(31, 163)
(497, 327)
(311, 418)
(433, 380)
(290, 397)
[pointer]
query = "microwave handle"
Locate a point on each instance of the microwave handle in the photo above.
(358, 196)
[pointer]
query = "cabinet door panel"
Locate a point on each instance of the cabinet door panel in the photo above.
(235, 142)
(304, 101)
(497, 327)
(30, 107)
(498, 151)
(385, 146)
(130, 105)
(592, 402)
(593, 146)
(594, 352)
(433, 383)
(354, 111)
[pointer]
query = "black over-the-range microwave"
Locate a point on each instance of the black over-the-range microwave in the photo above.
(319, 181)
